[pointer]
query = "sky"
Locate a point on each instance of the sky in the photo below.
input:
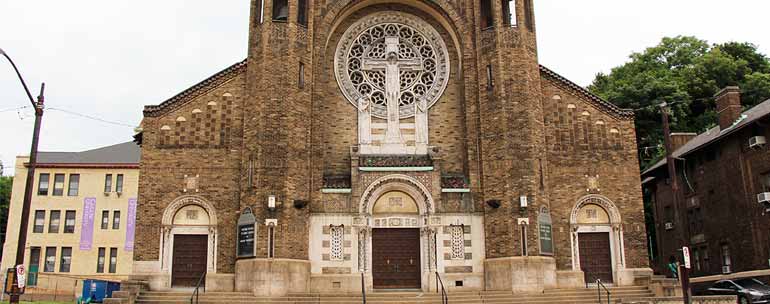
(107, 59)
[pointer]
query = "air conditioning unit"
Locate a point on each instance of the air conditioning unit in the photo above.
(757, 142)
(763, 198)
(726, 269)
(119, 193)
(669, 226)
(106, 194)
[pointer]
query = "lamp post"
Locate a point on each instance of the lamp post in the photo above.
(38, 106)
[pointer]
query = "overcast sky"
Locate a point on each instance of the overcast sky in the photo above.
(108, 59)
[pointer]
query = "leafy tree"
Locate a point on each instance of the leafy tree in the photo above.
(689, 72)
(6, 183)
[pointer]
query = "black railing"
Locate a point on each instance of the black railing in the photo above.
(196, 292)
(444, 295)
(363, 289)
(599, 287)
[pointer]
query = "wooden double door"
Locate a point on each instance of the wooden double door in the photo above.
(595, 256)
(396, 258)
(189, 260)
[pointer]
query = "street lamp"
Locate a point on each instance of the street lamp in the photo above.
(38, 106)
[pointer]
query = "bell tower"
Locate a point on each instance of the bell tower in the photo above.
(511, 136)
(275, 153)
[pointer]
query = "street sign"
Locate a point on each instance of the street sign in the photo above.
(686, 253)
(21, 276)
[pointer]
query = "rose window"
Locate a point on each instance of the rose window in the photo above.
(403, 44)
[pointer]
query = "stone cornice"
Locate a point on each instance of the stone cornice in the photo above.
(197, 90)
(598, 102)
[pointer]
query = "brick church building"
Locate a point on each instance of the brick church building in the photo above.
(388, 142)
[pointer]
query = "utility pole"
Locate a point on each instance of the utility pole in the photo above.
(24, 223)
(678, 223)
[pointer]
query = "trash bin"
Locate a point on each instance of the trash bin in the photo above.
(98, 290)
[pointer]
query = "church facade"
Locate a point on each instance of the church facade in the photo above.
(388, 143)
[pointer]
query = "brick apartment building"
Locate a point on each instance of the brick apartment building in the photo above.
(722, 175)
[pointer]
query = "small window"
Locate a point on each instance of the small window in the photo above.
(119, 183)
(490, 77)
(509, 12)
(530, 17)
(54, 221)
(50, 259)
(34, 266)
(39, 226)
(486, 14)
(58, 184)
(42, 185)
(261, 11)
(105, 219)
(726, 258)
(280, 10)
(108, 183)
(270, 241)
(764, 181)
(100, 260)
(74, 185)
(302, 12)
(69, 221)
(113, 260)
(116, 219)
(301, 75)
(66, 259)
(523, 240)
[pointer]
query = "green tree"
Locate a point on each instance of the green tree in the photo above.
(688, 71)
(6, 184)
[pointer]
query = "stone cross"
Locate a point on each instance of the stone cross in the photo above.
(392, 66)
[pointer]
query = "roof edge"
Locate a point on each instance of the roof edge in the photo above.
(608, 107)
(196, 90)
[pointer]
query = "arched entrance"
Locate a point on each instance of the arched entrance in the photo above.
(402, 254)
(188, 241)
(597, 239)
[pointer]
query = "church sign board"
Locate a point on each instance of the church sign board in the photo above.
(545, 231)
(246, 233)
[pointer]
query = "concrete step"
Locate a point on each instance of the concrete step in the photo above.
(555, 296)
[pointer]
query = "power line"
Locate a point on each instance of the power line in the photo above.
(13, 109)
(93, 117)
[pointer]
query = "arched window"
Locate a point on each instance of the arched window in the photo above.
(486, 14)
(509, 12)
(280, 10)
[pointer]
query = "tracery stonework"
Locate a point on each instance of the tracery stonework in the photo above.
(392, 66)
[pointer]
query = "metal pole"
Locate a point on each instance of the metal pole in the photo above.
(678, 223)
(24, 222)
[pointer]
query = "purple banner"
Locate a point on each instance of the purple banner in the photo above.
(130, 224)
(87, 225)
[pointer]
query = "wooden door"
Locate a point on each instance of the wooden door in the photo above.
(396, 258)
(190, 259)
(595, 256)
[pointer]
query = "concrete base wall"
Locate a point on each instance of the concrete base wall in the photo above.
(220, 282)
(520, 274)
(272, 277)
(570, 279)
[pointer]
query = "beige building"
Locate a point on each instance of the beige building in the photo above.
(82, 205)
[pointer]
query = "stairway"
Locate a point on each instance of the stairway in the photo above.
(572, 296)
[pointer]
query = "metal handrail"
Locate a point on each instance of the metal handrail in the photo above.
(599, 286)
(444, 295)
(363, 289)
(196, 292)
